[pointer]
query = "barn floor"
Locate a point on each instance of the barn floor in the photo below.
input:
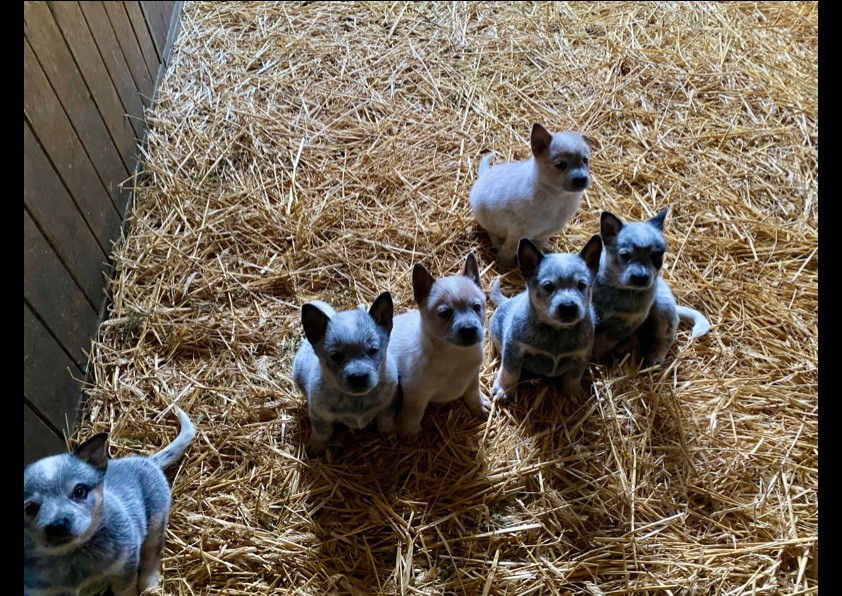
(318, 149)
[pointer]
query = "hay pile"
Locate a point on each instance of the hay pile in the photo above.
(304, 150)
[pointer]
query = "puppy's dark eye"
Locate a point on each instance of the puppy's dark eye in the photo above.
(585, 160)
(337, 357)
(582, 286)
(80, 491)
(562, 165)
(31, 509)
(547, 286)
(477, 307)
(372, 351)
(446, 313)
(625, 256)
(658, 259)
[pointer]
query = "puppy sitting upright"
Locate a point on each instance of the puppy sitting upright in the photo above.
(344, 369)
(633, 303)
(535, 198)
(548, 328)
(439, 346)
(94, 526)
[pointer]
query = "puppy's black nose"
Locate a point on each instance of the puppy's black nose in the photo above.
(567, 310)
(640, 280)
(357, 381)
(579, 182)
(468, 335)
(58, 529)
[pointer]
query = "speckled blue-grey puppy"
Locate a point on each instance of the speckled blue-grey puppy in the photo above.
(548, 328)
(94, 526)
(345, 370)
(634, 305)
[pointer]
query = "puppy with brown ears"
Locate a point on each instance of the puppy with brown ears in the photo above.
(535, 198)
(439, 346)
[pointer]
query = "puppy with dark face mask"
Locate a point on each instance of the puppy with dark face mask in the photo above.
(634, 305)
(344, 369)
(96, 526)
(439, 346)
(547, 329)
(534, 198)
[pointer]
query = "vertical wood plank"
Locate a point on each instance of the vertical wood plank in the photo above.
(51, 292)
(54, 212)
(39, 440)
(50, 124)
(115, 62)
(47, 380)
(131, 51)
(87, 60)
(143, 35)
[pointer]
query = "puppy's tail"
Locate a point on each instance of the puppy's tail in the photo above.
(700, 324)
(496, 295)
(484, 164)
(173, 452)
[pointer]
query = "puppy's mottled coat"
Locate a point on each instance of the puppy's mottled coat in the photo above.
(634, 305)
(439, 346)
(548, 328)
(344, 369)
(535, 198)
(94, 526)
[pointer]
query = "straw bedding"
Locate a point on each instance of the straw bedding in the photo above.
(317, 150)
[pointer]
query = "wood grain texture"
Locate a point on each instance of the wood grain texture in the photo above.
(41, 108)
(48, 375)
(39, 440)
(51, 207)
(131, 51)
(51, 292)
(115, 62)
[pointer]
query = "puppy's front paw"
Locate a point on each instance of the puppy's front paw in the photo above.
(652, 358)
(500, 395)
(409, 436)
(316, 448)
(481, 406)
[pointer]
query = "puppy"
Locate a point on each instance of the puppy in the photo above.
(548, 328)
(94, 526)
(535, 198)
(344, 369)
(439, 346)
(634, 305)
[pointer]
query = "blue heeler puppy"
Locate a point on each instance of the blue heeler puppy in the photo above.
(634, 305)
(94, 526)
(548, 328)
(345, 370)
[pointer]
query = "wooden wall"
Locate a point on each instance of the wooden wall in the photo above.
(90, 70)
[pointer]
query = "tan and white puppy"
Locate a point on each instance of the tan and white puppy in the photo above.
(439, 346)
(535, 198)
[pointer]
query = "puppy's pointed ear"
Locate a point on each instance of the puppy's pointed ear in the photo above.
(472, 270)
(422, 283)
(94, 451)
(592, 252)
(314, 321)
(382, 311)
(658, 220)
(609, 226)
(540, 139)
(528, 257)
(591, 142)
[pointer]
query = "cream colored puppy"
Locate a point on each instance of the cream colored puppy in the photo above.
(535, 198)
(439, 346)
